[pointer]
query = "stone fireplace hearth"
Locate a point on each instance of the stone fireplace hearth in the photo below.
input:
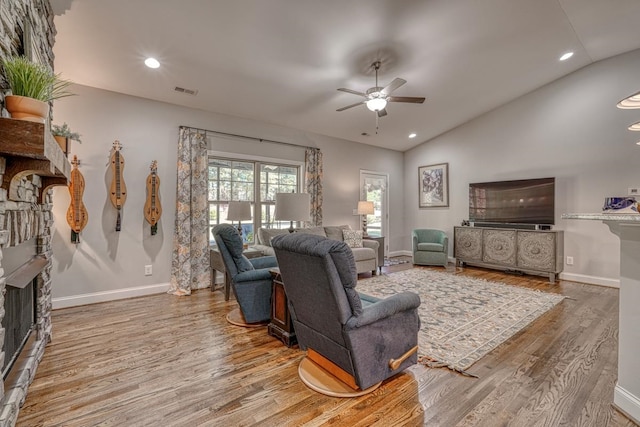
(30, 163)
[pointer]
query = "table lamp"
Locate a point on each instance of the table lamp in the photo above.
(292, 207)
(365, 208)
(239, 211)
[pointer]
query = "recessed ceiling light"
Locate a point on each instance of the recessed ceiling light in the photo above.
(566, 56)
(151, 63)
(412, 135)
(630, 102)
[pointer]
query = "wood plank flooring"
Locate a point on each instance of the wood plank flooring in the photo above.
(174, 361)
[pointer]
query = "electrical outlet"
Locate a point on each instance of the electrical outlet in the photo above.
(569, 260)
(148, 270)
(633, 191)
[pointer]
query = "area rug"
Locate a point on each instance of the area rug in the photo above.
(462, 318)
(395, 261)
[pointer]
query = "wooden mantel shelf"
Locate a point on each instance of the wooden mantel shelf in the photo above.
(29, 148)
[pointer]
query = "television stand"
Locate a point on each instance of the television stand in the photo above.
(539, 252)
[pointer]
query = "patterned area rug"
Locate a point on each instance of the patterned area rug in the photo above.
(462, 318)
(395, 261)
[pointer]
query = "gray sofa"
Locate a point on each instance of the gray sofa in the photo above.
(366, 257)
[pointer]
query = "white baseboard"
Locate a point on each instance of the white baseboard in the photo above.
(573, 277)
(83, 299)
(627, 403)
(592, 280)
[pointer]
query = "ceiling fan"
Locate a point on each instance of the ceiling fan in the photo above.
(376, 98)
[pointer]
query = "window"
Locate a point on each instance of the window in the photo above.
(253, 181)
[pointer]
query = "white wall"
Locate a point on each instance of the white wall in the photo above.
(570, 129)
(109, 264)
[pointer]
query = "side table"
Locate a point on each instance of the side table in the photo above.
(380, 241)
(215, 259)
(281, 325)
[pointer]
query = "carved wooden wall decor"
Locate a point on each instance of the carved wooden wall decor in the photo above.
(77, 215)
(118, 191)
(152, 207)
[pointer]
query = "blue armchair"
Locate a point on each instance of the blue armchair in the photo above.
(359, 339)
(250, 278)
(430, 247)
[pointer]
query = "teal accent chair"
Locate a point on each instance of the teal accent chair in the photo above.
(430, 247)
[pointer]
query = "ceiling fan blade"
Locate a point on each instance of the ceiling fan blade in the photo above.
(351, 106)
(355, 92)
(395, 84)
(412, 99)
(382, 113)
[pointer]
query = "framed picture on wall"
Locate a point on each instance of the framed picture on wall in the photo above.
(433, 186)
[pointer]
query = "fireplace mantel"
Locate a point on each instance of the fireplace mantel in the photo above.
(29, 148)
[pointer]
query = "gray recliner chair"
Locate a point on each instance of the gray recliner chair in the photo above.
(250, 278)
(430, 247)
(366, 338)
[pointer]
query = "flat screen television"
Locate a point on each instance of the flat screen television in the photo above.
(525, 201)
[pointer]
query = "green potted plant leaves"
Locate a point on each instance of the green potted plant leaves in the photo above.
(32, 87)
(63, 134)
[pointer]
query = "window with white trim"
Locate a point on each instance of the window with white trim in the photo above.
(249, 180)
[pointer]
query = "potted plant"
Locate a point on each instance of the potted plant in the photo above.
(32, 87)
(63, 134)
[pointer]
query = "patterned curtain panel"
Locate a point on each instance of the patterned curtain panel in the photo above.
(313, 183)
(190, 263)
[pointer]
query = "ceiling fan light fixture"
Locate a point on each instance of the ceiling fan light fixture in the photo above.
(635, 127)
(376, 104)
(152, 62)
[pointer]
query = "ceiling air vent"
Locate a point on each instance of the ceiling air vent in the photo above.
(187, 91)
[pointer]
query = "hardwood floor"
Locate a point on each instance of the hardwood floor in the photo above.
(174, 361)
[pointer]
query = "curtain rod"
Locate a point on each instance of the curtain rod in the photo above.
(271, 141)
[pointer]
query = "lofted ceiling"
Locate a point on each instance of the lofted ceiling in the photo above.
(281, 61)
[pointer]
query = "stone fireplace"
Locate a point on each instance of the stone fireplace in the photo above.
(31, 162)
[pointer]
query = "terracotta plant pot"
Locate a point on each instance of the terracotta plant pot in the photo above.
(23, 108)
(64, 143)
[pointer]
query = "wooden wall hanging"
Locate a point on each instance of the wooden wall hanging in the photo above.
(77, 215)
(152, 207)
(118, 191)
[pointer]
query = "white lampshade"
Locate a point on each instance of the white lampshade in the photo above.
(630, 102)
(293, 207)
(239, 211)
(376, 104)
(365, 208)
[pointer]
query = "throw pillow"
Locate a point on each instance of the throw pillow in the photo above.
(335, 232)
(353, 238)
